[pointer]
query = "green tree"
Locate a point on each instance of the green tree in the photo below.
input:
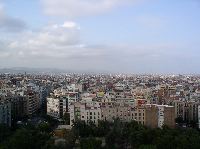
(5, 132)
(90, 143)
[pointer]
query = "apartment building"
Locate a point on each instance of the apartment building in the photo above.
(187, 110)
(5, 112)
(70, 92)
(88, 112)
(124, 112)
(57, 106)
(32, 102)
(109, 111)
(138, 114)
(53, 107)
(18, 107)
(159, 115)
(199, 116)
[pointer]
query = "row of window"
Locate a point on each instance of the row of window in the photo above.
(90, 117)
(93, 113)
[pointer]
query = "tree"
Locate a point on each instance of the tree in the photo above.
(44, 127)
(90, 143)
(147, 147)
(27, 139)
(5, 132)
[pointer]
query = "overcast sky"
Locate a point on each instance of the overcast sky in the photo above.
(133, 36)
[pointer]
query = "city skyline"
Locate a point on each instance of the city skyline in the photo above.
(130, 36)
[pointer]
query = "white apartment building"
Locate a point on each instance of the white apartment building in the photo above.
(69, 92)
(160, 115)
(57, 106)
(53, 107)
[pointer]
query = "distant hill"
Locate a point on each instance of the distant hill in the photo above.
(22, 70)
(30, 70)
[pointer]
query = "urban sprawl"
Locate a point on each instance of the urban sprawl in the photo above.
(151, 100)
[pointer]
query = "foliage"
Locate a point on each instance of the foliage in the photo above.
(26, 139)
(5, 132)
(121, 135)
(117, 135)
(90, 143)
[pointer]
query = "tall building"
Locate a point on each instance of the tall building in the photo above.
(32, 102)
(159, 115)
(18, 107)
(187, 110)
(57, 106)
(53, 105)
(199, 116)
(5, 112)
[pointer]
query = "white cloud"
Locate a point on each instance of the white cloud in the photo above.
(33, 50)
(76, 8)
(53, 41)
(63, 41)
(70, 24)
(52, 36)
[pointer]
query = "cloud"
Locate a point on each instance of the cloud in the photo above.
(10, 24)
(59, 46)
(51, 41)
(76, 8)
(51, 36)
(63, 41)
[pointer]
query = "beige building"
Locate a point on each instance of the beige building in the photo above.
(186, 110)
(85, 111)
(159, 115)
(124, 112)
(139, 114)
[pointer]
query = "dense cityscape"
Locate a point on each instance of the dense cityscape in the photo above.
(99, 74)
(66, 103)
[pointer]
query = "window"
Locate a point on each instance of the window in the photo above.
(90, 113)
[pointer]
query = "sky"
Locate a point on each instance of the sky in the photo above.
(124, 36)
